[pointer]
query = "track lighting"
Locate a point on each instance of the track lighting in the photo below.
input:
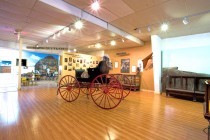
(149, 28)
(98, 45)
(113, 43)
(58, 34)
(185, 21)
(78, 24)
(54, 37)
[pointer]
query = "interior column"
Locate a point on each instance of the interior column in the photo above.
(19, 66)
(156, 49)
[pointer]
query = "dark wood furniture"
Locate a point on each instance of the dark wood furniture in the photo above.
(186, 86)
(206, 101)
(134, 81)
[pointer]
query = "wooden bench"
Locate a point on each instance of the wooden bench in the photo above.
(186, 86)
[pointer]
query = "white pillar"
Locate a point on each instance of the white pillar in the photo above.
(156, 49)
(19, 66)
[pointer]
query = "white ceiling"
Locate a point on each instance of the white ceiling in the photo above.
(38, 21)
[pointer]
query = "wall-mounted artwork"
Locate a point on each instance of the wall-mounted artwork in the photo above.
(69, 64)
(125, 65)
(65, 67)
(115, 64)
(5, 66)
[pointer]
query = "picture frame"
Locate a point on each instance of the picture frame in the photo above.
(125, 65)
(115, 64)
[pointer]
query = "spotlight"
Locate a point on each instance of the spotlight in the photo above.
(46, 41)
(69, 29)
(113, 43)
(148, 28)
(139, 31)
(98, 45)
(95, 5)
(164, 27)
(37, 45)
(64, 30)
(185, 21)
(75, 50)
(58, 34)
(123, 40)
(54, 37)
(78, 25)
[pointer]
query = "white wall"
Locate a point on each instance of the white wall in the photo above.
(188, 53)
(156, 49)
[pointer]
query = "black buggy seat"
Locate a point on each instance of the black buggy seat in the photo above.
(102, 68)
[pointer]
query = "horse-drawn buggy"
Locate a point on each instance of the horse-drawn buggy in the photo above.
(106, 90)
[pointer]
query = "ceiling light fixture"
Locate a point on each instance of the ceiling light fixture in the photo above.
(54, 37)
(64, 30)
(149, 28)
(164, 27)
(46, 41)
(59, 34)
(75, 50)
(123, 40)
(98, 45)
(78, 24)
(95, 5)
(185, 21)
(113, 43)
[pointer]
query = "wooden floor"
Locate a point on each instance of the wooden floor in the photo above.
(40, 114)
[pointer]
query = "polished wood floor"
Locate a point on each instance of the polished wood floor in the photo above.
(40, 114)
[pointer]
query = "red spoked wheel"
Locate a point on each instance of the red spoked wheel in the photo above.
(106, 91)
(69, 88)
(125, 82)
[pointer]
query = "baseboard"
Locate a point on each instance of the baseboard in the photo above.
(146, 90)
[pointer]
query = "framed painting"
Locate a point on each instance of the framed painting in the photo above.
(125, 65)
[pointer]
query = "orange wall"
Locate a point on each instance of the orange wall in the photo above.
(147, 80)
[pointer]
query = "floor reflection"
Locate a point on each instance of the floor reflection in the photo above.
(9, 108)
